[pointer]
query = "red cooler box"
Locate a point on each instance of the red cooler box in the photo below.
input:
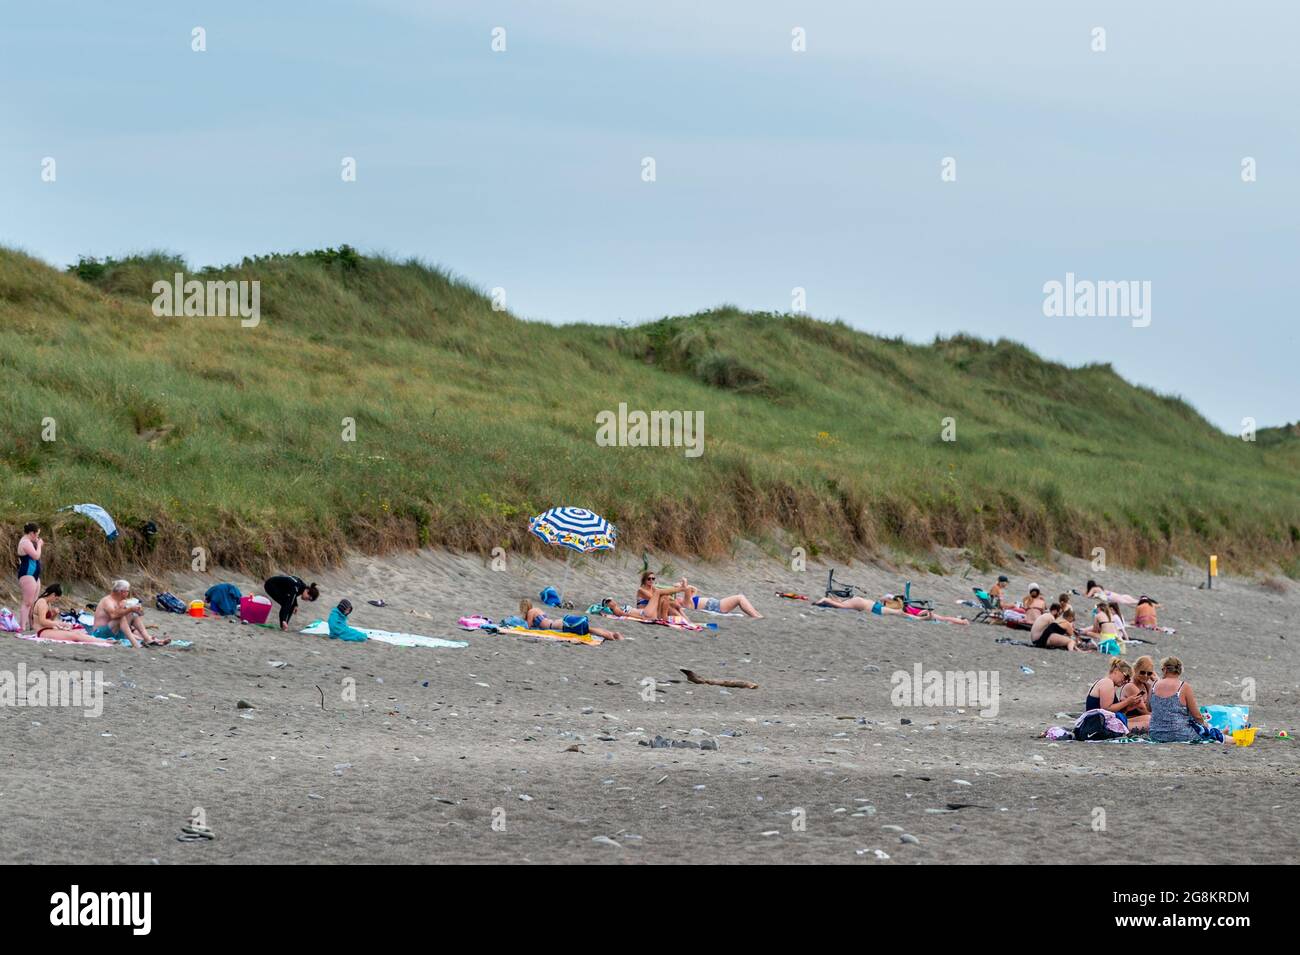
(254, 608)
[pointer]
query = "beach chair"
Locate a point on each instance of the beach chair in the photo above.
(989, 612)
(843, 591)
(919, 604)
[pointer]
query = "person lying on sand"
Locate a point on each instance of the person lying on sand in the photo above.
(119, 616)
(46, 622)
(1104, 694)
(720, 604)
(1096, 591)
(574, 623)
(1145, 614)
(1034, 604)
(889, 605)
(658, 603)
(1175, 717)
(340, 629)
(1054, 630)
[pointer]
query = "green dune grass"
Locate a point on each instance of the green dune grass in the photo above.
(468, 420)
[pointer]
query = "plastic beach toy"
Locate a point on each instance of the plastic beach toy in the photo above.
(1244, 737)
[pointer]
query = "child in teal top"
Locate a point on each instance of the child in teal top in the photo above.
(339, 627)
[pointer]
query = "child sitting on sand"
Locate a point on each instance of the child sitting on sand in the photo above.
(340, 629)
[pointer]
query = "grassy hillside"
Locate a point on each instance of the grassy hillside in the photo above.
(469, 420)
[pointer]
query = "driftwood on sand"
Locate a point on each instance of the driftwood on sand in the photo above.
(735, 684)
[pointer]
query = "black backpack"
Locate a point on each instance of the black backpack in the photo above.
(170, 603)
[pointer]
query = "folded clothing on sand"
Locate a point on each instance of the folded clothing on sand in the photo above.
(320, 628)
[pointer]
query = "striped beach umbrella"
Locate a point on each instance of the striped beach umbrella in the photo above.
(575, 528)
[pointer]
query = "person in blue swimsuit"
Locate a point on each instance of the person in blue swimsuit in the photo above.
(30, 546)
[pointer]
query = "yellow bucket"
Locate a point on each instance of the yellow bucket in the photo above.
(1244, 737)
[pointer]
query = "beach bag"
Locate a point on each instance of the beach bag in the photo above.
(169, 603)
(1099, 725)
(1226, 719)
(7, 621)
(473, 622)
(254, 608)
(576, 623)
(550, 597)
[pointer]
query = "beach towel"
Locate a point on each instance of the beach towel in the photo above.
(792, 596)
(719, 613)
(677, 623)
(85, 643)
(320, 628)
(587, 639)
(98, 515)
(473, 622)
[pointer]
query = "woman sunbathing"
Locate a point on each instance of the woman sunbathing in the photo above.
(720, 604)
(659, 603)
(46, 622)
(1105, 693)
(890, 605)
(1097, 592)
(574, 623)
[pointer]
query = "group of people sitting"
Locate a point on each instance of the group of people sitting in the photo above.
(1161, 705)
(118, 617)
(1054, 626)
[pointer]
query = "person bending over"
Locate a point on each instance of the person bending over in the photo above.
(285, 589)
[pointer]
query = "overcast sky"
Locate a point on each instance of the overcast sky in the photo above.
(774, 169)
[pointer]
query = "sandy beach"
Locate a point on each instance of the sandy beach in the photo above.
(517, 751)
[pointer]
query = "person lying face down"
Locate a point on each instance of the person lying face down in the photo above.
(574, 623)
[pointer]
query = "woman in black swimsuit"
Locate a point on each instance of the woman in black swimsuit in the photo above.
(30, 546)
(285, 589)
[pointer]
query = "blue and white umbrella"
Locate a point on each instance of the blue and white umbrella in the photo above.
(577, 529)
